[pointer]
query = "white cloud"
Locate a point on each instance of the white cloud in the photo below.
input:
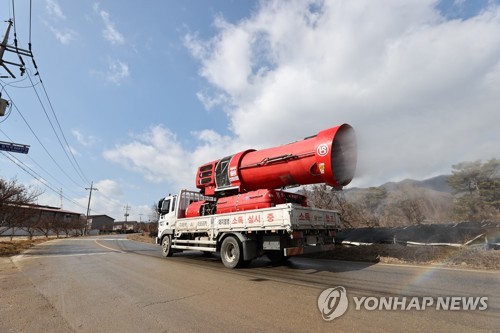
(117, 71)
(55, 14)
(160, 157)
(73, 151)
(64, 36)
(156, 154)
(82, 139)
(209, 101)
(109, 188)
(54, 9)
(420, 90)
(110, 32)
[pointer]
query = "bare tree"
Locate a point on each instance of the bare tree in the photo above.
(80, 226)
(153, 220)
(326, 197)
(392, 215)
(154, 216)
(66, 226)
(321, 196)
(29, 224)
(20, 217)
(57, 225)
(476, 187)
(370, 206)
(44, 223)
(14, 204)
(412, 210)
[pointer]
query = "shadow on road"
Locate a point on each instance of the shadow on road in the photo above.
(309, 264)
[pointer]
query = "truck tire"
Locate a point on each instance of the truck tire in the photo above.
(166, 246)
(231, 252)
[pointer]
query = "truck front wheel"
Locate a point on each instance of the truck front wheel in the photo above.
(231, 253)
(166, 246)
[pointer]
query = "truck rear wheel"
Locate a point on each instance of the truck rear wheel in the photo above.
(166, 246)
(231, 253)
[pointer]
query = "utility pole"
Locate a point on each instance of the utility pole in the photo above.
(127, 208)
(4, 46)
(90, 189)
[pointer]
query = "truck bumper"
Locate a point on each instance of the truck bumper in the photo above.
(158, 241)
(294, 251)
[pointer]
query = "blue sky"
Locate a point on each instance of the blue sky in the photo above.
(146, 92)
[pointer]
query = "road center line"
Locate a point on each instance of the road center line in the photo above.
(107, 247)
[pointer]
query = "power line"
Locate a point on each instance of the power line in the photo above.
(74, 163)
(36, 176)
(80, 174)
(79, 171)
(40, 142)
(60, 129)
(43, 169)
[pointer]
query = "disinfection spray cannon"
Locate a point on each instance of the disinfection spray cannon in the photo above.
(328, 157)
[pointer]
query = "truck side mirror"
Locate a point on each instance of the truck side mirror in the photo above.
(158, 207)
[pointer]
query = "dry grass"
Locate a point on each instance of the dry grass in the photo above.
(12, 248)
(469, 257)
(142, 238)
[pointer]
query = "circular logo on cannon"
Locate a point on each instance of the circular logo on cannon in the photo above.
(322, 149)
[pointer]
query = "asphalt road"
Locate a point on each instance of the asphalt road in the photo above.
(111, 284)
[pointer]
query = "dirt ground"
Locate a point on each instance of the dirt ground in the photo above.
(466, 257)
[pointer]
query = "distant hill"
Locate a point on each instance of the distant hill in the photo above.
(438, 184)
(390, 202)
